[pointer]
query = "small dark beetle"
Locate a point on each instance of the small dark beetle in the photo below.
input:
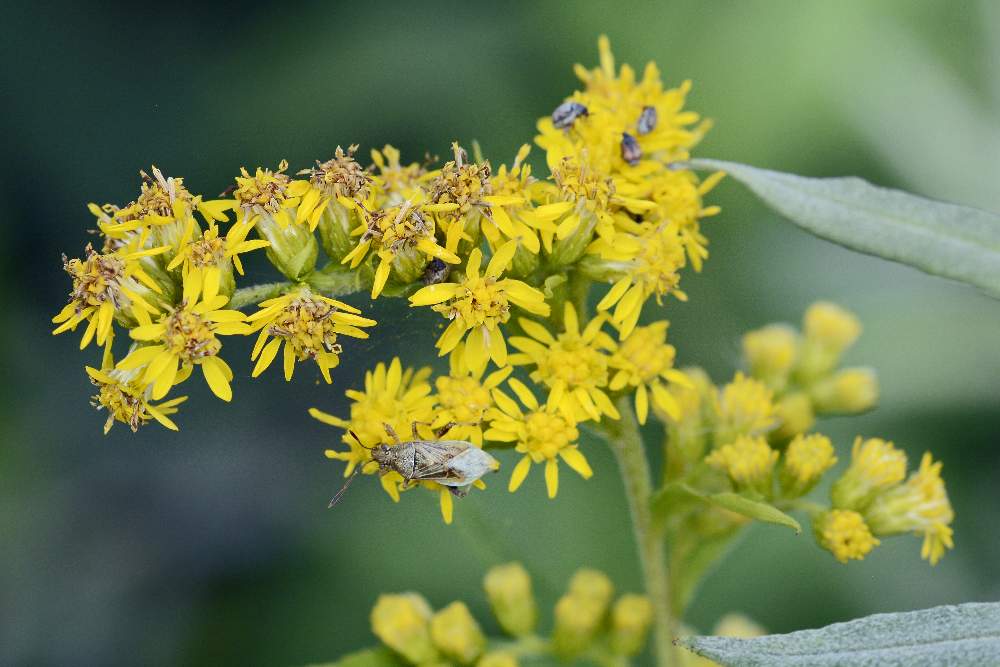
(566, 114)
(647, 121)
(631, 152)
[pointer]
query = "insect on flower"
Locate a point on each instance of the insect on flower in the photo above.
(455, 464)
(631, 152)
(647, 121)
(566, 114)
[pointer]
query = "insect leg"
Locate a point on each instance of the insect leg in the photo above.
(336, 498)
(459, 491)
(391, 432)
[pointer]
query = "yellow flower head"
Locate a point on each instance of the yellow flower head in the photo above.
(308, 324)
(162, 200)
(182, 338)
(463, 397)
(806, 459)
(340, 177)
(264, 193)
(391, 395)
(398, 182)
(479, 304)
(543, 434)
(402, 622)
(845, 534)
(510, 214)
(645, 361)
(748, 461)
(208, 261)
(618, 103)
(402, 233)
(679, 196)
(106, 286)
(919, 505)
(508, 588)
(574, 364)
(462, 183)
(743, 407)
(831, 326)
(127, 400)
(848, 391)
(651, 264)
(875, 466)
(770, 353)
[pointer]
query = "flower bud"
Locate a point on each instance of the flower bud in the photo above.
(770, 353)
(688, 437)
(293, 248)
(631, 618)
(829, 330)
(875, 466)
(847, 391)
(738, 625)
(578, 619)
(592, 585)
(524, 263)
(508, 588)
(749, 463)
(335, 225)
(456, 633)
(402, 622)
(498, 659)
(568, 250)
(743, 407)
(795, 415)
(844, 534)
(804, 462)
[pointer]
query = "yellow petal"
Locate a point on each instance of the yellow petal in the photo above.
(501, 259)
(215, 376)
(576, 460)
(520, 472)
(641, 403)
(447, 506)
(266, 357)
(552, 477)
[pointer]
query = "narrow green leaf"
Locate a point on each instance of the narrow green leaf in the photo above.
(965, 634)
(369, 657)
(676, 496)
(755, 509)
(947, 240)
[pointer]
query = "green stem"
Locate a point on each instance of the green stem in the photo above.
(246, 296)
(626, 443)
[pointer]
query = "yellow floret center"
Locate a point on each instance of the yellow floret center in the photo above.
(578, 181)
(846, 535)
(124, 402)
(809, 457)
(479, 301)
(658, 264)
(574, 362)
(96, 279)
(546, 433)
(264, 191)
(646, 355)
(464, 398)
(189, 336)
(207, 252)
(341, 176)
(307, 325)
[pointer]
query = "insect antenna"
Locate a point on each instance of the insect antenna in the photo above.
(358, 440)
(336, 498)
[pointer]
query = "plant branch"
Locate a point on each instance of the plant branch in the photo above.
(247, 296)
(626, 442)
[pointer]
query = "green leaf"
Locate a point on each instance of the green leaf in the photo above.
(675, 496)
(755, 509)
(369, 657)
(966, 634)
(947, 240)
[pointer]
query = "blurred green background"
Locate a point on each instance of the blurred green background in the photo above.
(214, 546)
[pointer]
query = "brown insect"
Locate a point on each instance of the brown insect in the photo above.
(631, 152)
(455, 464)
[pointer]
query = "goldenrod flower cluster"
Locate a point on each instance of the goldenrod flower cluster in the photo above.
(588, 623)
(507, 258)
(752, 435)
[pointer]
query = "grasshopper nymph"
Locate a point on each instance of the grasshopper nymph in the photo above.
(455, 464)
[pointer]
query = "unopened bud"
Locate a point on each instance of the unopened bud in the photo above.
(402, 622)
(498, 659)
(631, 618)
(568, 250)
(738, 625)
(848, 391)
(795, 415)
(749, 463)
(456, 633)
(293, 248)
(770, 353)
(593, 585)
(335, 225)
(829, 330)
(508, 588)
(875, 466)
(845, 534)
(578, 620)
(804, 462)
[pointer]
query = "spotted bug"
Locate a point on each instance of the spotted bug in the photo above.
(566, 114)
(631, 152)
(435, 272)
(647, 121)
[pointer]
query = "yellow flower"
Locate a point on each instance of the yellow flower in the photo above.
(828, 330)
(339, 178)
(463, 397)
(573, 365)
(805, 461)
(391, 396)
(184, 337)
(770, 353)
(875, 466)
(920, 505)
(743, 407)
(308, 325)
(401, 234)
(543, 434)
(208, 261)
(508, 589)
(678, 196)
(845, 534)
(747, 461)
(511, 215)
(645, 361)
(467, 185)
(456, 633)
(127, 399)
(398, 182)
(651, 265)
(479, 304)
(848, 391)
(105, 287)
(265, 193)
